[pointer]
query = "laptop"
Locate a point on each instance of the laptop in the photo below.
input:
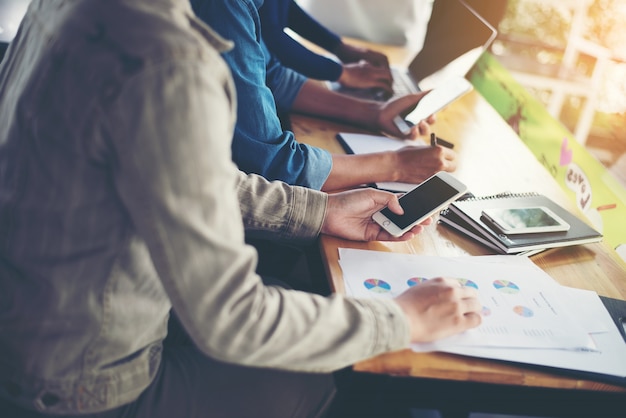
(455, 39)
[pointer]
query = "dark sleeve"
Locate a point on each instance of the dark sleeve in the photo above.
(306, 26)
(275, 16)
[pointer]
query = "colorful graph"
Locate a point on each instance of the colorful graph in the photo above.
(377, 285)
(506, 286)
(468, 283)
(415, 280)
(523, 311)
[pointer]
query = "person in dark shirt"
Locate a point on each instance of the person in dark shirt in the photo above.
(358, 67)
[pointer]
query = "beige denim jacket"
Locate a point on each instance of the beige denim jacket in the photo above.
(119, 201)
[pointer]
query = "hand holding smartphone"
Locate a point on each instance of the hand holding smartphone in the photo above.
(428, 198)
(433, 101)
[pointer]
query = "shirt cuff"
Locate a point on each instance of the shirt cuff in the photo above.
(287, 90)
(319, 162)
(390, 327)
(308, 214)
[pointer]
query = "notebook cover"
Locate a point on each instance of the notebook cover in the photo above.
(470, 210)
(458, 224)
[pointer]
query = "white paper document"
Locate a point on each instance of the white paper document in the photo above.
(527, 316)
(609, 359)
(522, 306)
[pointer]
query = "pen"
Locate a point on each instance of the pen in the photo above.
(435, 140)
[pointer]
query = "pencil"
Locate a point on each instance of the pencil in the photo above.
(435, 140)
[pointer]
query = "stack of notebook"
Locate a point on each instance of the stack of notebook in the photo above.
(466, 216)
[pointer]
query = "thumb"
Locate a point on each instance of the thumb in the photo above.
(406, 104)
(394, 205)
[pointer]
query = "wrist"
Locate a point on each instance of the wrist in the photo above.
(339, 51)
(394, 168)
(389, 162)
(343, 76)
(326, 228)
(370, 115)
(364, 113)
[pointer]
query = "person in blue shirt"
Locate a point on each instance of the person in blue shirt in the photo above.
(358, 67)
(265, 87)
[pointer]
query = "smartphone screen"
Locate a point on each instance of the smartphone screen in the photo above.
(525, 220)
(421, 201)
(438, 98)
(433, 102)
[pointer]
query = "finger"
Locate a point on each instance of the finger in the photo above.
(391, 128)
(410, 234)
(470, 299)
(474, 307)
(378, 73)
(381, 84)
(394, 205)
(377, 59)
(423, 127)
(449, 160)
(427, 221)
(412, 134)
(407, 102)
(472, 320)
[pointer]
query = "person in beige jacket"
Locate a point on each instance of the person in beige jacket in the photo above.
(121, 210)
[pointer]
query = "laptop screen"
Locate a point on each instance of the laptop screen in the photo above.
(456, 37)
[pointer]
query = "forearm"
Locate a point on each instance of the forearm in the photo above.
(185, 200)
(315, 99)
(265, 211)
(354, 170)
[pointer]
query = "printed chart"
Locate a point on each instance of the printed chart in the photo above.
(522, 306)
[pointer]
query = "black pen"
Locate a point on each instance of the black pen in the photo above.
(435, 140)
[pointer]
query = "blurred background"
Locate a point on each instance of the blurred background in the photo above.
(571, 55)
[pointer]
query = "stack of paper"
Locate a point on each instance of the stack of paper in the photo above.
(527, 316)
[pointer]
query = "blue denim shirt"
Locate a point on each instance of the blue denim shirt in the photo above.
(119, 201)
(263, 85)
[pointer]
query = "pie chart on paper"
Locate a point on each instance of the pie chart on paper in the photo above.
(506, 286)
(415, 280)
(468, 283)
(377, 285)
(523, 311)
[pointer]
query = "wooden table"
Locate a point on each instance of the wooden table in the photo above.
(492, 159)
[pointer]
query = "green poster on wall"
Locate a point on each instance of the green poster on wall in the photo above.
(595, 190)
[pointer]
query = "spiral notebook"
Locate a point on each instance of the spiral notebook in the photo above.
(465, 216)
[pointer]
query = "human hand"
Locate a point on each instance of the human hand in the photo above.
(349, 215)
(415, 164)
(362, 75)
(349, 53)
(402, 106)
(439, 308)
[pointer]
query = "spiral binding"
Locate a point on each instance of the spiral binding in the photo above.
(503, 195)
